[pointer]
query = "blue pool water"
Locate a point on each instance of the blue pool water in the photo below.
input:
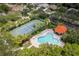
(25, 29)
(48, 38)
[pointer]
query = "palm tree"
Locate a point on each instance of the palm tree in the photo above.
(47, 21)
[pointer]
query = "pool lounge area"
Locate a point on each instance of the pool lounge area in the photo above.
(46, 36)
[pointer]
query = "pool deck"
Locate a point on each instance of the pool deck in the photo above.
(35, 44)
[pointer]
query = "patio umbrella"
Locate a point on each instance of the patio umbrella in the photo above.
(60, 29)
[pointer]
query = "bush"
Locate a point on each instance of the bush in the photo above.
(11, 25)
(71, 37)
(70, 50)
(44, 50)
(4, 8)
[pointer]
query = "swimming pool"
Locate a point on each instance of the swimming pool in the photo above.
(48, 38)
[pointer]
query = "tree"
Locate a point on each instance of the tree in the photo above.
(71, 36)
(9, 17)
(4, 8)
(70, 50)
(44, 50)
(6, 44)
(25, 11)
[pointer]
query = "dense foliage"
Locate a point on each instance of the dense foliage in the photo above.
(10, 45)
(4, 8)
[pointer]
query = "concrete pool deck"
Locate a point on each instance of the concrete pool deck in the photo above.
(34, 42)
